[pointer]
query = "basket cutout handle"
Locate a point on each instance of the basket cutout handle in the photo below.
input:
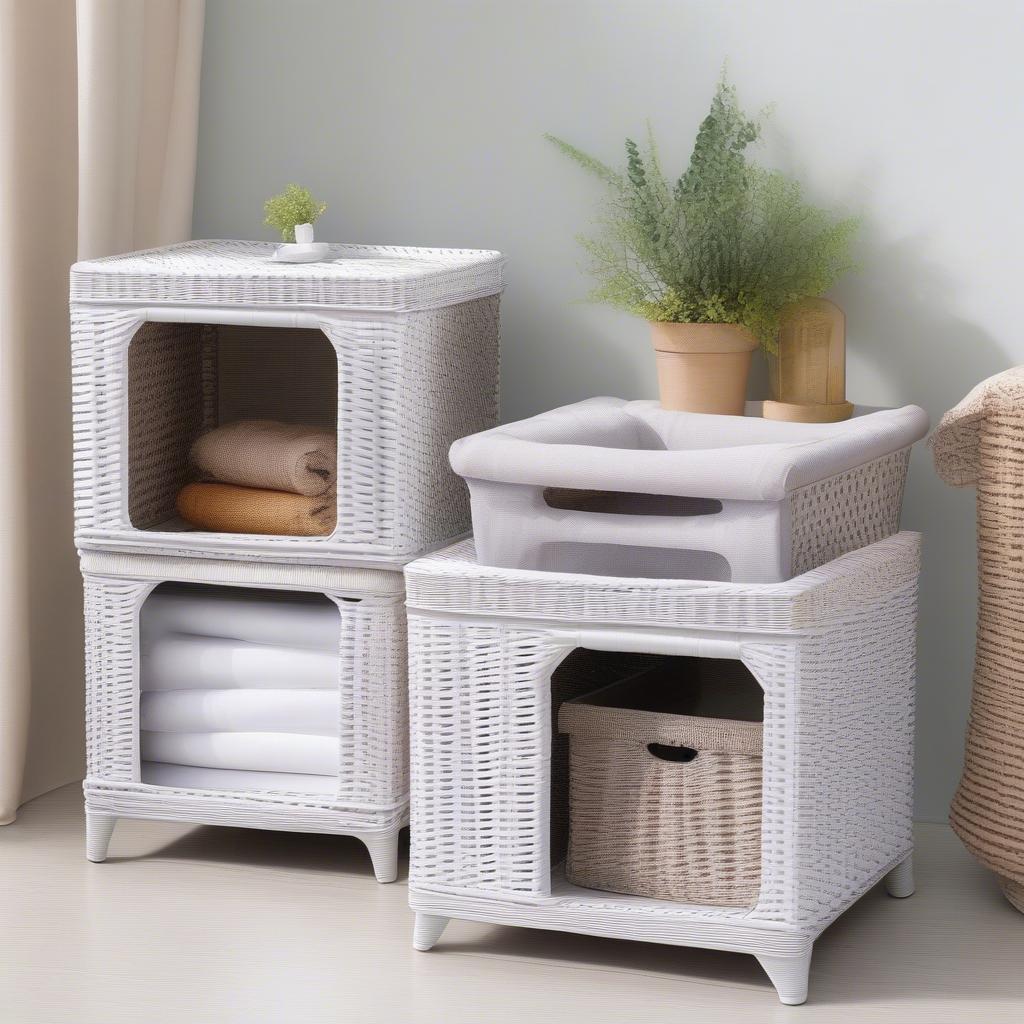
(667, 752)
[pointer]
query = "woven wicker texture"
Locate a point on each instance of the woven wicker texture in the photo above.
(846, 512)
(269, 454)
(646, 824)
(225, 508)
(226, 272)
(834, 651)
(399, 388)
(371, 789)
(452, 580)
(170, 401)
(981, 442)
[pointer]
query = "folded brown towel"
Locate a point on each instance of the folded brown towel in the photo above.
(226, 508)
(265, 453)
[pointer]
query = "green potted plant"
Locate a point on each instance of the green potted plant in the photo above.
(710, 258)
(293, 212)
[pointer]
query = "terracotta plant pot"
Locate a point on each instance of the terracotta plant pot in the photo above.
(703, 367)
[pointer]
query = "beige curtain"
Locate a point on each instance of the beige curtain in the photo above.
(98, 113)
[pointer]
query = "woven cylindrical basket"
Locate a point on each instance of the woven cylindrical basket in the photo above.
(662, 805)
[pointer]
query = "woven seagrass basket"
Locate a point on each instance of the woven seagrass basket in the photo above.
(665, 783)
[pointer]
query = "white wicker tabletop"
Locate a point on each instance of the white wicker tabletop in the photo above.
(227, 272)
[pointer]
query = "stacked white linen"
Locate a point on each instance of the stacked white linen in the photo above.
(239, 689)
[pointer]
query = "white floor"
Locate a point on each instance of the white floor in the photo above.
(226, 925)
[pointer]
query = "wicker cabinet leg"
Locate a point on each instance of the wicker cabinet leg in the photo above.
(788, 974)
(900, 881)
(383, 847)
(99, 827)
(427, 930)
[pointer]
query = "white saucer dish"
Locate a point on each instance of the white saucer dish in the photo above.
(297, 252)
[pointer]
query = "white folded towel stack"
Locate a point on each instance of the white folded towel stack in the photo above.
(240, 689)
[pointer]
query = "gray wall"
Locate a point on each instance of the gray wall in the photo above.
(420, 122)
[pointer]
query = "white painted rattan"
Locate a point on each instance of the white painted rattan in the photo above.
(834, 650)
(222, 272)
(371, 800)
(415, 336)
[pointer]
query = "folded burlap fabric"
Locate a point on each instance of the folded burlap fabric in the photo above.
(227, 508)
(268, 454)
(981, 443)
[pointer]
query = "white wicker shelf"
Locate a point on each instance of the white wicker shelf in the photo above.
(368, 797)
(395, 348)
(834, 651)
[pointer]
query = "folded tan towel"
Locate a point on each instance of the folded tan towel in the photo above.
(226, 508)
(268, 454)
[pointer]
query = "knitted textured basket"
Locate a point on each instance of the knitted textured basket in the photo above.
(665, 792)
(981, 443)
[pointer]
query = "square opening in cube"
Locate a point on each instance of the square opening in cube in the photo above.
(239, 689)
(187, 379)
(656, 778)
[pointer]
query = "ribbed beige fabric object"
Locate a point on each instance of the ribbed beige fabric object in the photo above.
(981, 442)
(265, 453)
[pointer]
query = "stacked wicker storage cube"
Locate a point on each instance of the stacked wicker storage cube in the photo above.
(395, 349)
(609, 532)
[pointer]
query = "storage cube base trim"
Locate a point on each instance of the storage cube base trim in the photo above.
(834, 652)
(785, 957)
(104, 807)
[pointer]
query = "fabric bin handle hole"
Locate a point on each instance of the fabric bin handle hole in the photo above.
(665, 752)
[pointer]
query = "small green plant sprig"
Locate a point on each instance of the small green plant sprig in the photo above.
(726, 242)
(295, 205)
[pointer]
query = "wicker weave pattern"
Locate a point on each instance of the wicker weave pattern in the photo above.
(239, 273)
(169, 403)
(452, 580)
(979, 442)
(373, 747)
(689, 832)
(846, 512)
(838, 678)
(408, 385)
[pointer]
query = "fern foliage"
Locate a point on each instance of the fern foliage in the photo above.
(726, 242)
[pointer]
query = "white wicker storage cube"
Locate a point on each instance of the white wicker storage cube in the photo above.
(833, 651)
(395, 348)
(665, 781)
(234, 745)
(619, 488)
